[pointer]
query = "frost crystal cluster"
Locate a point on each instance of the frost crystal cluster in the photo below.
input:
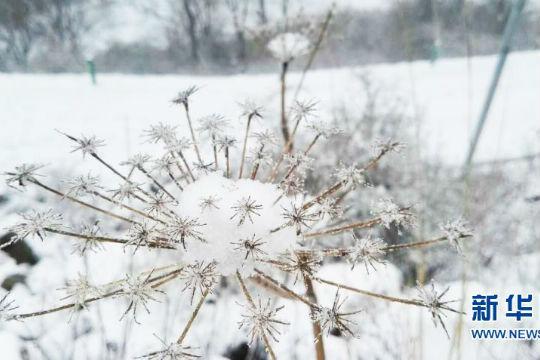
(225, 207)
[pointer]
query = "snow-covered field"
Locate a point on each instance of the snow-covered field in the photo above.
(446, 97)
(120, 106)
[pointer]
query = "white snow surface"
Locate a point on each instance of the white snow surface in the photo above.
(222, 231)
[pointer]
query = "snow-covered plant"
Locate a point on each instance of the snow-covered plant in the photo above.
(222, 214)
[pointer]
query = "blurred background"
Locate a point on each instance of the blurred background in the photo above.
(417, 71)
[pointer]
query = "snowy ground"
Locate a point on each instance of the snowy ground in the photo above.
(121, 106)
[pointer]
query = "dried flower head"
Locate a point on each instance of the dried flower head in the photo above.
(334, 318)
(244, 209)
(261, 320)
(251, 247)
(182, 229)
(430, 298)
(79, 291)
(22, 174)
(300, 265)
(454, 231)
(199, 276)
(390, 213)
(89, 243)
(299, 217)
(209, 203)
(286, 47)
(82, 185)
(368, 251)
(126, 190)
(183, 96)
(250, 109)
(87, 145)
(302, 110)
(139, 292)
(172, 351)
(324, 129)
(142, 234)
(328, 208)
(214, 125)
(350, 175)
(34, 224)
(6, 307)
(383, 146)
(161, 132)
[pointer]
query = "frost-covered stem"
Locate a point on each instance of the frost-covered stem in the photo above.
(256, 166)
(317, 330)
(308, 149)
(314, 51)
(267, 345)
(104, 239)
(180, 168)
(94, 299)
(193, 316)
(80, 202)
(181, 154)
(420, 244)
(171, 176)
(332, 189)
(380, 296)
(275, 169)
(284, 127)
(339, 229)
(127, 207)
(149, 176)
(228, 161)
(283, 287)
(244, 147)
(216, 165)
(193, 138)
(108, 166)
(336, 252)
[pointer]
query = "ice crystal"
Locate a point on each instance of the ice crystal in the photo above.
(214, 125)
(161, 132)
(142, 234)
(299, 217)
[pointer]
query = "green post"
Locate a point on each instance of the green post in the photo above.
(91, 67)
(509, 29)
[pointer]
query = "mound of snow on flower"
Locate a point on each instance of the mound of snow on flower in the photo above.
(217, 203)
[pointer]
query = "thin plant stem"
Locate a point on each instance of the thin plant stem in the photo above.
(316, 327)
(193, 316)
(80, 202)
(339, 229)
(283, 89)
(216, 165)
(256, 165)
(314, 51)
(93, 299)
(227, 159)
(181, 154)
(244, 147)
(105, 239)
(127, 207)
(266, 341)
(193, 138)
(157, 183)
(381, 296)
